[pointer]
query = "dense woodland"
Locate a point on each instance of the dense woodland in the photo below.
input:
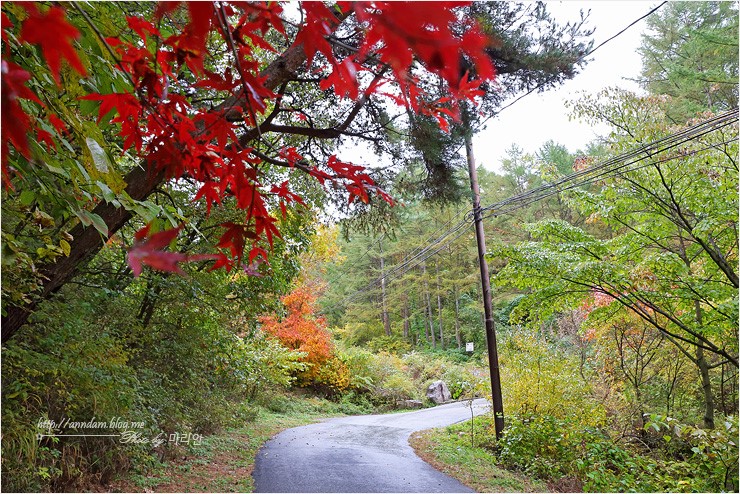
(245, 265)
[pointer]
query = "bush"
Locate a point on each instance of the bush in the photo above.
(424, 368)
(66, 372)
(389, 344)
(355, 403)
(383, 377)
(330, 378)
(543, 380)
(94, 360)
(542, 446)
(552, 448)
(712, 455)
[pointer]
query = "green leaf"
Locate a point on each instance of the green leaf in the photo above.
(93, 219)
(108, 195)
(66, 248)
(99, 224)
(99, 156)
(27, 197)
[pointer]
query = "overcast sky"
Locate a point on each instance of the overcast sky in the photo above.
(538, 118)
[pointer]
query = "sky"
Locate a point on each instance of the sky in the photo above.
(538, 118)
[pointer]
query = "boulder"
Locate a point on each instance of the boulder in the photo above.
(411, 404)
(438, 392)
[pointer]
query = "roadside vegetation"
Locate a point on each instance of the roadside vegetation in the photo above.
(190, 334)
(224, 461)
(562, 434)
(616, 301)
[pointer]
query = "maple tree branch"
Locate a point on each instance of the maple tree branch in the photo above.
(321, 133)
(362, 100)
(88, 241)
(223, 20)
(102, 39)
(284, 68)
(273, 161)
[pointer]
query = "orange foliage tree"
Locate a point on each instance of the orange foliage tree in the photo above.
(304, 331)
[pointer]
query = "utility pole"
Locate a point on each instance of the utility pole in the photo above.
(498, 404)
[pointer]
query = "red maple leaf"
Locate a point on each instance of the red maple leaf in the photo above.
(5, 23)
(141, 27)
(344, 79)
(233, 239)
(149, 251)
(15, 122)
(58, 124)
(319, 23)
(52, 32)
(129, 111)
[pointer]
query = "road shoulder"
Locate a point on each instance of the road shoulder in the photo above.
(448, 449)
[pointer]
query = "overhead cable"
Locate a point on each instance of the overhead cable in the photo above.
(632, 160)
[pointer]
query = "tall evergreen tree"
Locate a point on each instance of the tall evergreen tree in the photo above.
(690, 54)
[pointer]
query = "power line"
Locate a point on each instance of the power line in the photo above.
(411, 261)
(401, 270)
(414, 254)
(623, 163)
(578, 60)
(623, 160)
(429, 251)
(459, 212)
(603, 177)
(417, 251)
(625, 29)
(364, 254)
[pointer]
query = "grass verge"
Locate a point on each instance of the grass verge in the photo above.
(224, 461)
(449, 450)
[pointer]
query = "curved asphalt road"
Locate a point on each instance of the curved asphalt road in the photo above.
(367, 453)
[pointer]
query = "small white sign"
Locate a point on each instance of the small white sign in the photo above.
(469, 346)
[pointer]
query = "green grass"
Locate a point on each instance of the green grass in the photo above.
(449, 450)
(224, 462)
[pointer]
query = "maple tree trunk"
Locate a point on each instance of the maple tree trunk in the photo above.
(88, 241)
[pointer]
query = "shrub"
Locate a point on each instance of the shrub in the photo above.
(66, 372)
(712, 455)
(424, 368)
(388, 344)
(547, 381)
(542, 446)
(382, 376)
(331, 377)
(552, 448)
(93, 359)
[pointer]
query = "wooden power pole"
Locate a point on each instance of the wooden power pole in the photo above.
(498, 404)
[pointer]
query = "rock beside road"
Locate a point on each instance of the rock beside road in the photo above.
(410, 404)
(438, 392)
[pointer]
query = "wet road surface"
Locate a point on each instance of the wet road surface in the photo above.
(368, 453)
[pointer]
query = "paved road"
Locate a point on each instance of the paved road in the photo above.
(367, 453)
